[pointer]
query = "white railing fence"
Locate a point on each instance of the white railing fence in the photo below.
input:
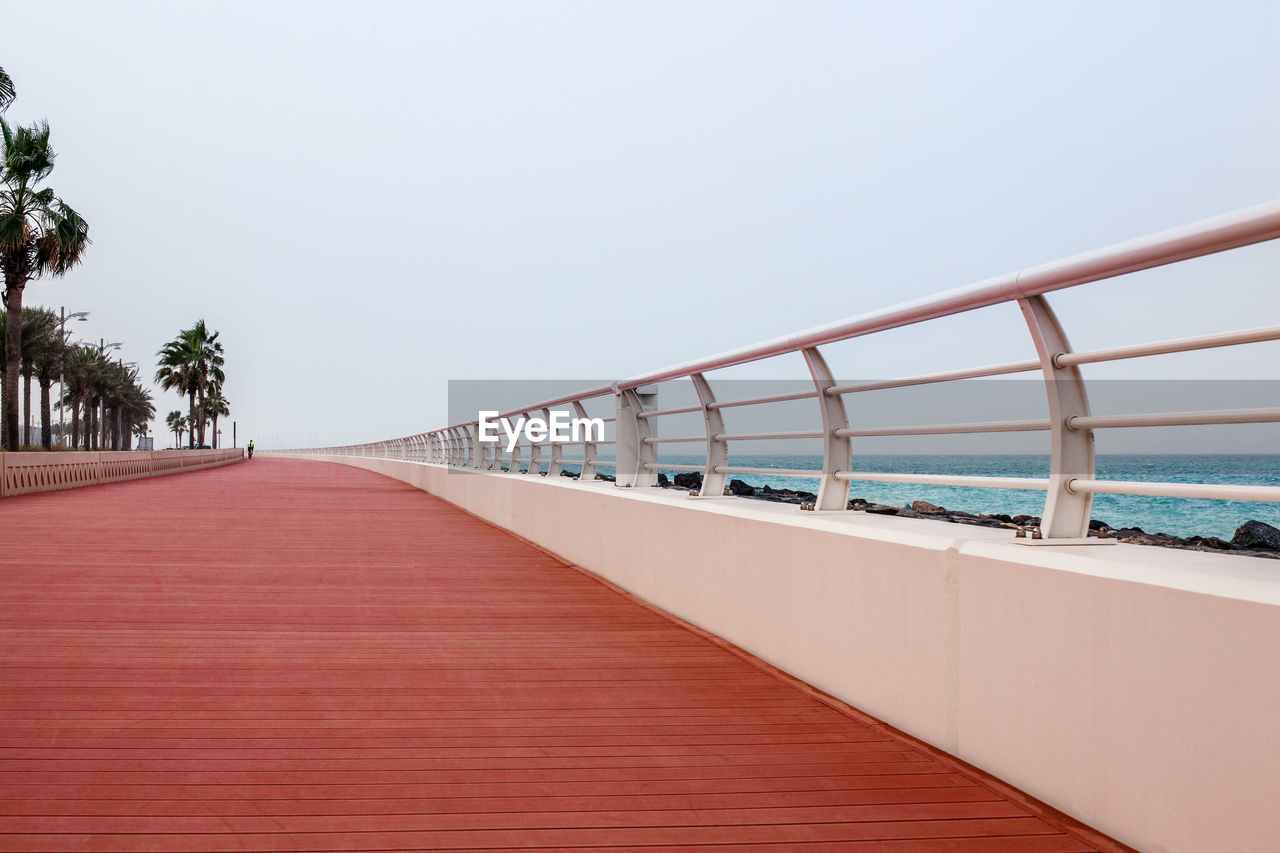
(1071, 480)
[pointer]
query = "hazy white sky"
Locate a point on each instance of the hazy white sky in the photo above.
(371, 199)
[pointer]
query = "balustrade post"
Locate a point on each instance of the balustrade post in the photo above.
(588, 474)
(633, 451)
(1066, 513)
(717, 449)
(837, 455)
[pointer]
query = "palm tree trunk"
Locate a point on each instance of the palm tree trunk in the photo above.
(26, 404)
(203, 419)
(191, 421)
(215, 431)
(75, 425)
(12, 355)
(46, 414)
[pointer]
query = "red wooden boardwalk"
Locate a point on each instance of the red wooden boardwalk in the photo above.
(301, 656)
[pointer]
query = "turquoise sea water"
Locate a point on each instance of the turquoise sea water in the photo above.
(1176, 516)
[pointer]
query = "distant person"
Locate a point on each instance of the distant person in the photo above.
(251, 448)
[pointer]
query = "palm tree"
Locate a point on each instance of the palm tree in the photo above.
(216, 406)
(191, 364)
(39, 235)
(6, 91)
(76, 376)
(177, 423)
(39, 335)
(47, 362)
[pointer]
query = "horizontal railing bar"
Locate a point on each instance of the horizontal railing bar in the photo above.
(780, 472)
(1222, 339)
(658, 466)
(657, 439)
(1033, 484)
(1211, 491)
(663, 412)
(927, 378)
(1217, 234)
(764, 436)
(752, 401)
(946, 429)
(1222, 416)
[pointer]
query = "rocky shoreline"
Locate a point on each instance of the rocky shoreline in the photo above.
(1253, 538)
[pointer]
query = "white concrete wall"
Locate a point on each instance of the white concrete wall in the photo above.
(1134, 688)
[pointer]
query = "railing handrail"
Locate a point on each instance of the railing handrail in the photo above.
(1071, 484)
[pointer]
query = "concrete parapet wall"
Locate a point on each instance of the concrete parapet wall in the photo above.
(24, 473)
(1134, 688)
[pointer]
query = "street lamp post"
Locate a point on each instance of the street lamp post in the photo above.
(62, 368)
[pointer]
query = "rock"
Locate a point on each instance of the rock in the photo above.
(608, 478)
(741, 489)
(999, 516)
(907, 512)
(926, 507)
(662, 479)
(1024, 520)
(1257, 535)
(1094, 524)
(691, 480)
(859, 504)
(1212, 543)
(881, 509)
(564, 473)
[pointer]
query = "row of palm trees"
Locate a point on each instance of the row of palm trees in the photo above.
(106, 404)
(192, 364)
(40, 235)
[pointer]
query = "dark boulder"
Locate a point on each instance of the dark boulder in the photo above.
(662, 479)
(691, 480)
(1257, 535)
(741, 489)
(1024, 520)
(926, 508)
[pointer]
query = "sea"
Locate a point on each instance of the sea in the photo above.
(1175, 516)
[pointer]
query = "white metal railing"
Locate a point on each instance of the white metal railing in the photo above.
(1071, 481)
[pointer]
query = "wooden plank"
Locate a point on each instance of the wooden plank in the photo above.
(298, 656)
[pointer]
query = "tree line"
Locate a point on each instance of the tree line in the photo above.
(40, 235)
(192, 364)
(102, 397)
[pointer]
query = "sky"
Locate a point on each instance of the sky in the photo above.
(370, 200)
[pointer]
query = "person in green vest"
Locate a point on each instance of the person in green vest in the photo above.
(251, 448)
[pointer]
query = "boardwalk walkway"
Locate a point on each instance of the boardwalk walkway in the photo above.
(292, 655)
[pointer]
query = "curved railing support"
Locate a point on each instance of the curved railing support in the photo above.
(833, 493)
(588, 474)
(1066, 513)
(717, 448)
(635, 452)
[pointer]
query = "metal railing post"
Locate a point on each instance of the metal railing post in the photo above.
(556, 465)
(833, 493)
(1066, 513)
(588, 449)
(717, 448)
(634, 451)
